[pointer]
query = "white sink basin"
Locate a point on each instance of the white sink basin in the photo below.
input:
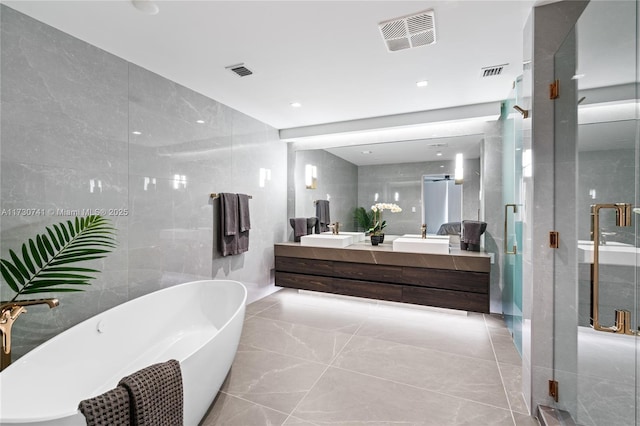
(356, 236)
(420, 245)
(429, 236)
(326, 240)
(612, 253)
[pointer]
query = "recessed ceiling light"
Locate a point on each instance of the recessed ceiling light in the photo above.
(135, 132)
(577, 77)
(439, 154)
(200, 121)
(442, 167)
(367, 152)
(296, 104)
(422, 83)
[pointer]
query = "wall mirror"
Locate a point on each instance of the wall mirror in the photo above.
(361, 175)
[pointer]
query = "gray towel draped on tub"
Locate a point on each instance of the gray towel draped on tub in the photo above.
(235, 223)
(156, 395)
(149, 397)
(109, 409)
(324, 219)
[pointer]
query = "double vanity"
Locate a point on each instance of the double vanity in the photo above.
(402, 269)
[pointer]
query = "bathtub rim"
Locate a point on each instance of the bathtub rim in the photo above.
(61, 415)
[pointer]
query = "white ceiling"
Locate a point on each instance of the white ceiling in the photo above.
(327, 55)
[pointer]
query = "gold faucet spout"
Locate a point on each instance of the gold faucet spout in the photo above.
(52, 303)
(9, 312)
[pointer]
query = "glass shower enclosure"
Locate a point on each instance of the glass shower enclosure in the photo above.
(597, 187)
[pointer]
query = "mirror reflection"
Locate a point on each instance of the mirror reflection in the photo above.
(393, 172)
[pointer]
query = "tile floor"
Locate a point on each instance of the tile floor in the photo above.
(311, 359)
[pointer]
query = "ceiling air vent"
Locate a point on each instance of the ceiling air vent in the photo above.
(240, 70)
(493, 70)
(409, 32)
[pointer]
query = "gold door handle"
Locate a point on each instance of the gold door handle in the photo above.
(623, 317)
(506, 210)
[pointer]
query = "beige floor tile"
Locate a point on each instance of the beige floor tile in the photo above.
(270, 379)
(512, 378)
(504, 347)
(470, 378)
(346, 398)
(231, 411)
(525, 420)
(450, 334)
(313, 316)
(310, 343)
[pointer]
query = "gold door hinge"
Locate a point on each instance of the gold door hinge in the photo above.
(554, 239)
(553, 389)
(554, 90)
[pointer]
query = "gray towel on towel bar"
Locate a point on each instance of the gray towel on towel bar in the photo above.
(243, 213)
(324, 218)
(112, 408)
(156, 395)
(229, 213)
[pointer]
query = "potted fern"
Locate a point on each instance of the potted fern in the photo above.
(48, 261)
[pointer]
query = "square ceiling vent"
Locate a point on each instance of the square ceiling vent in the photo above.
(410, 31)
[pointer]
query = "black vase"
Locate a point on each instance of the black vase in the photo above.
(376, 239)
(381, 238)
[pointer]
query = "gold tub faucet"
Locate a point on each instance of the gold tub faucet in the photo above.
(9, 312)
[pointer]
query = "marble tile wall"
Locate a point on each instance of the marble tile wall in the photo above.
(69, 111)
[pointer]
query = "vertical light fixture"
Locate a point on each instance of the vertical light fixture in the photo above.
(265, 175)
(310, 176)
(459, 171)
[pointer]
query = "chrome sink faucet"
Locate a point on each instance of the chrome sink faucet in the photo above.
(9, 312)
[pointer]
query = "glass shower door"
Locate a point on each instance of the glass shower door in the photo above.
(597, 170)
(512, 174)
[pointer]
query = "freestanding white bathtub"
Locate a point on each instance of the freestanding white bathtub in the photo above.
(197, 323)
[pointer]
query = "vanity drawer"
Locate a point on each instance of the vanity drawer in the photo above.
(304, 266)
(475, 302)
(304, 282)
(367, 272)
(370, 290)
(474, 282)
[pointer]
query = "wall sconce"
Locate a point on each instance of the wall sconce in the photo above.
(459, 171)
(311, 176)
(265, 175)
(95, 185)
(149, 181)
(179, 181)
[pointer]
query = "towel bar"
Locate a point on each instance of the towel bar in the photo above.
(216, 195)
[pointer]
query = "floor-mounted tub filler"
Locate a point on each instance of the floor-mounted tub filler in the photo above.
(197, 323)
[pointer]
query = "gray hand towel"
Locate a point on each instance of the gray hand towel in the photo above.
(472, 230)
(299, 226)
(109, 409)
(324, 218)
(229, 213)
(156, 395)
(243, 212)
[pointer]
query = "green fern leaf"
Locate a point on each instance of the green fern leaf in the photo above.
(47, 263)
(27, 259)
(35, 253)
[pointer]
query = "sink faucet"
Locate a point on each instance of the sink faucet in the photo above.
(335, 228)
(9, 312)
(423, 231)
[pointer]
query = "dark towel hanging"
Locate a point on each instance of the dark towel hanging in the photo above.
(156, 395)
(110, 408)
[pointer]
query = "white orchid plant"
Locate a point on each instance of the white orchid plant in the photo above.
(378, 223)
